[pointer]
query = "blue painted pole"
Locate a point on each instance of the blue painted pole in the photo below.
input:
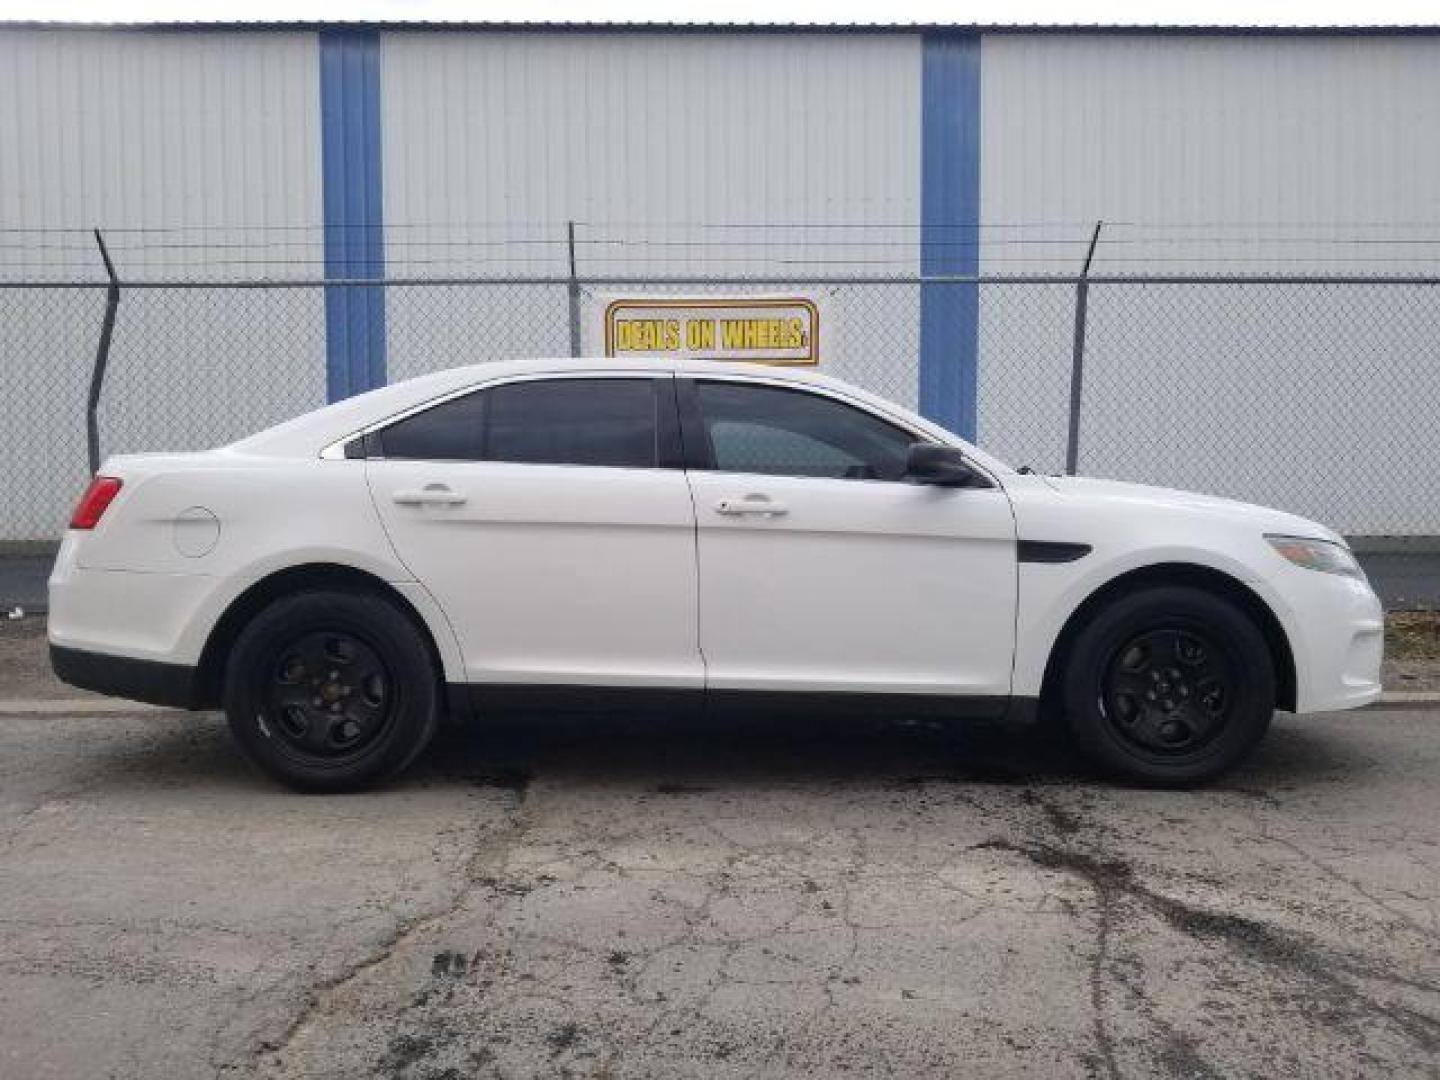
(354, 222)
(950, 229)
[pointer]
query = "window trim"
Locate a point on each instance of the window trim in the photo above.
(668, 452)
(700, 455)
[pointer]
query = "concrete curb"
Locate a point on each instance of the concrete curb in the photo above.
(82, 707)
(76, 707)
(1409, 697)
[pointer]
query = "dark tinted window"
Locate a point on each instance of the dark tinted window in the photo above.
(545, 422)
(573, 422)
(453, 431)
(758, 429)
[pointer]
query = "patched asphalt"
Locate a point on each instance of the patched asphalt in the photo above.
(626, 900)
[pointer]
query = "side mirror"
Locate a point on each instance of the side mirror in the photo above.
(941, 466)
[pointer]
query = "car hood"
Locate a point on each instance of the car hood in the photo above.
(1119, 492)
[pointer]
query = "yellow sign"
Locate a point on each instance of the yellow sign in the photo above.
(761, 330)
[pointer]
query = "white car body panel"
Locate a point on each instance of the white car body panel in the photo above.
(617, 577)
(854, 587)
(1334, 624)
(127, 589)
(553, 574)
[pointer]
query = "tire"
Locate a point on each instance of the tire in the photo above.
(1168, 687)
(331, 691)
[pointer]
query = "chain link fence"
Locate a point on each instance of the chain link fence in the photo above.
(1316, 395)
(1319, 398)
(48, 338)
(434, 327)
(195, 368)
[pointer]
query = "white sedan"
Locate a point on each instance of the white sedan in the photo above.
(600, 534)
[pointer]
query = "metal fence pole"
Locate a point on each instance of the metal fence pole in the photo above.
(574, 286)
(1077, 356)
(102, 357)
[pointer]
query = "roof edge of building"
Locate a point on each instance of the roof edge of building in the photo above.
(308, 25)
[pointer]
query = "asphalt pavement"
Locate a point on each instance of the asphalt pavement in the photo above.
(627, 900)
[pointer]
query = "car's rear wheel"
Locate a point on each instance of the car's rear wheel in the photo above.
(1169, 686)
(331, 690)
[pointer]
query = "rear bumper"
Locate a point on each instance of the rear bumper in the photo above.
(156, 617)
(125, 677)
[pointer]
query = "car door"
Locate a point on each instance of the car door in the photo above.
(821, 569)
(551, 521)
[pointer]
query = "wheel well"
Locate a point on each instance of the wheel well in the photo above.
(1200, 577)
(210, 674)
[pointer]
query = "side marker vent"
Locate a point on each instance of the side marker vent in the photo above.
(1051, 551)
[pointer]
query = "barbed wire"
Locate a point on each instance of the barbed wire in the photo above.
(562, 223)
(369, 250)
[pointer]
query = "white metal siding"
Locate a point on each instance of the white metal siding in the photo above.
(1193, 129)
(489, 137)
(165, 128)
(649, 134)
(202, 134)
(646, 128)
(1198, 137)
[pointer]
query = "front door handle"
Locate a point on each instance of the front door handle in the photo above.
(429, 495)
(751, 504)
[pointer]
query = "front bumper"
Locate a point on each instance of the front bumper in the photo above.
(1336, 627)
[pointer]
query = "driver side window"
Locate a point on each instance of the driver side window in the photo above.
(781, 432)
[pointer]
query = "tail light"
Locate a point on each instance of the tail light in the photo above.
(97, 498)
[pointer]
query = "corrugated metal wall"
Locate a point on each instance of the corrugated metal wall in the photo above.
(1215, 155)
(644, 139)
(207, 136)
(733, 154)
(1193, 129)
(650, 128)
(163, 128)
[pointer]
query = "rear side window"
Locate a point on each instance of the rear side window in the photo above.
(609, 422)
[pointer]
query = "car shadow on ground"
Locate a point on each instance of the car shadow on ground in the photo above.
(677, 756)
(670, 757)
(789, 750)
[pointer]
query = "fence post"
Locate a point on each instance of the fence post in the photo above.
(574, 295)
(1077, 356)
(102, 357)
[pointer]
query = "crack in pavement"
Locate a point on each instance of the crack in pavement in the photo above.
(1356, 886)
(489, 849)
(757, 923)
(1112, 880)
(1276, 950)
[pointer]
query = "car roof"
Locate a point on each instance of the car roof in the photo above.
(658, 364)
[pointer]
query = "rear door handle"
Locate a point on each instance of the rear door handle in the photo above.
(751, 504)
(429, 495)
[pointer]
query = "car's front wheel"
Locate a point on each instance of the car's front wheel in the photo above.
(1169, 686)
(331, 690)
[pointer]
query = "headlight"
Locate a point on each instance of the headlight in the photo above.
(1319, 555)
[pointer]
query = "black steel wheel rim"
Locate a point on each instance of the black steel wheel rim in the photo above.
(1168, 691)
(328, 696)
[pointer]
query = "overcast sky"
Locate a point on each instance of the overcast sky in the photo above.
(1062, 12)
